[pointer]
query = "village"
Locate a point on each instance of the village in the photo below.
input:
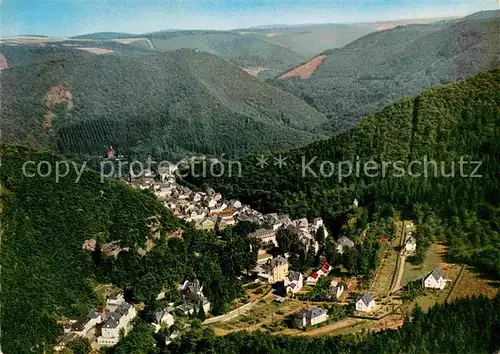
(277, 296)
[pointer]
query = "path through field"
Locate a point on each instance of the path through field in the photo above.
(400, 263)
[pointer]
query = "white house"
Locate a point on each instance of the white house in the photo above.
(435, 280)
(410, 243)
(86, 325)
(344, 242)
(212, 203)
(318, 222)
(115, 300)
(174, 335)
(197, 197)
(163, 317)
(235, 204)
(311, 317)
(366, 303)
(294, 281)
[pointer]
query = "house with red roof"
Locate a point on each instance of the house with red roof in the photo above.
(312, 279)
(325, 269)
(322, 272)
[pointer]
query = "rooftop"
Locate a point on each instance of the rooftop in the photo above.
(367, 298)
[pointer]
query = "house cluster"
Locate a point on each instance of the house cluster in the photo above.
(311, 317)
(306, 231)
(207, 210)
(112, 320)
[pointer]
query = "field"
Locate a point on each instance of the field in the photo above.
(472, 283)
(435, 257)
(265, 312)
(382, 283)
(349, 324)
(383, 278)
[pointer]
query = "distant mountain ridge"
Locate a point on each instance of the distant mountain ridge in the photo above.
(380, 67)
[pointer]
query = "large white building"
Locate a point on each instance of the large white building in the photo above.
(116, 318)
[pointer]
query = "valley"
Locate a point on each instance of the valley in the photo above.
(310, 187)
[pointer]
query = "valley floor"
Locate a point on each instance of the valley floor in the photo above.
(392, 275)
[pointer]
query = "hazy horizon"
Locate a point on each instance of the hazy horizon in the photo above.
(67, 18)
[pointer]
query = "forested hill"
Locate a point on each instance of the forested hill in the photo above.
(443, 124)
(47, 275)
(176, 101)
(378, 68)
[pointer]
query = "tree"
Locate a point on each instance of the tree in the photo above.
(287, 240)
(320, 235)
(80, 345)
(201, 314)
(417, 314)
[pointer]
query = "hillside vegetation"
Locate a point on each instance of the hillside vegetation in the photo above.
(271, 50)
(445, 124)
(151, 104)
(378, 68)
(243, 50)
(314, 39)
(47, 275)
(467, 326)
(64, 50)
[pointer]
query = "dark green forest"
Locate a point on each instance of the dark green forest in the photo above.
(182, 101)
(445, 125)
(46, 275)
(377, 69)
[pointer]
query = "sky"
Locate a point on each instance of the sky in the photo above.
(64, 18)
